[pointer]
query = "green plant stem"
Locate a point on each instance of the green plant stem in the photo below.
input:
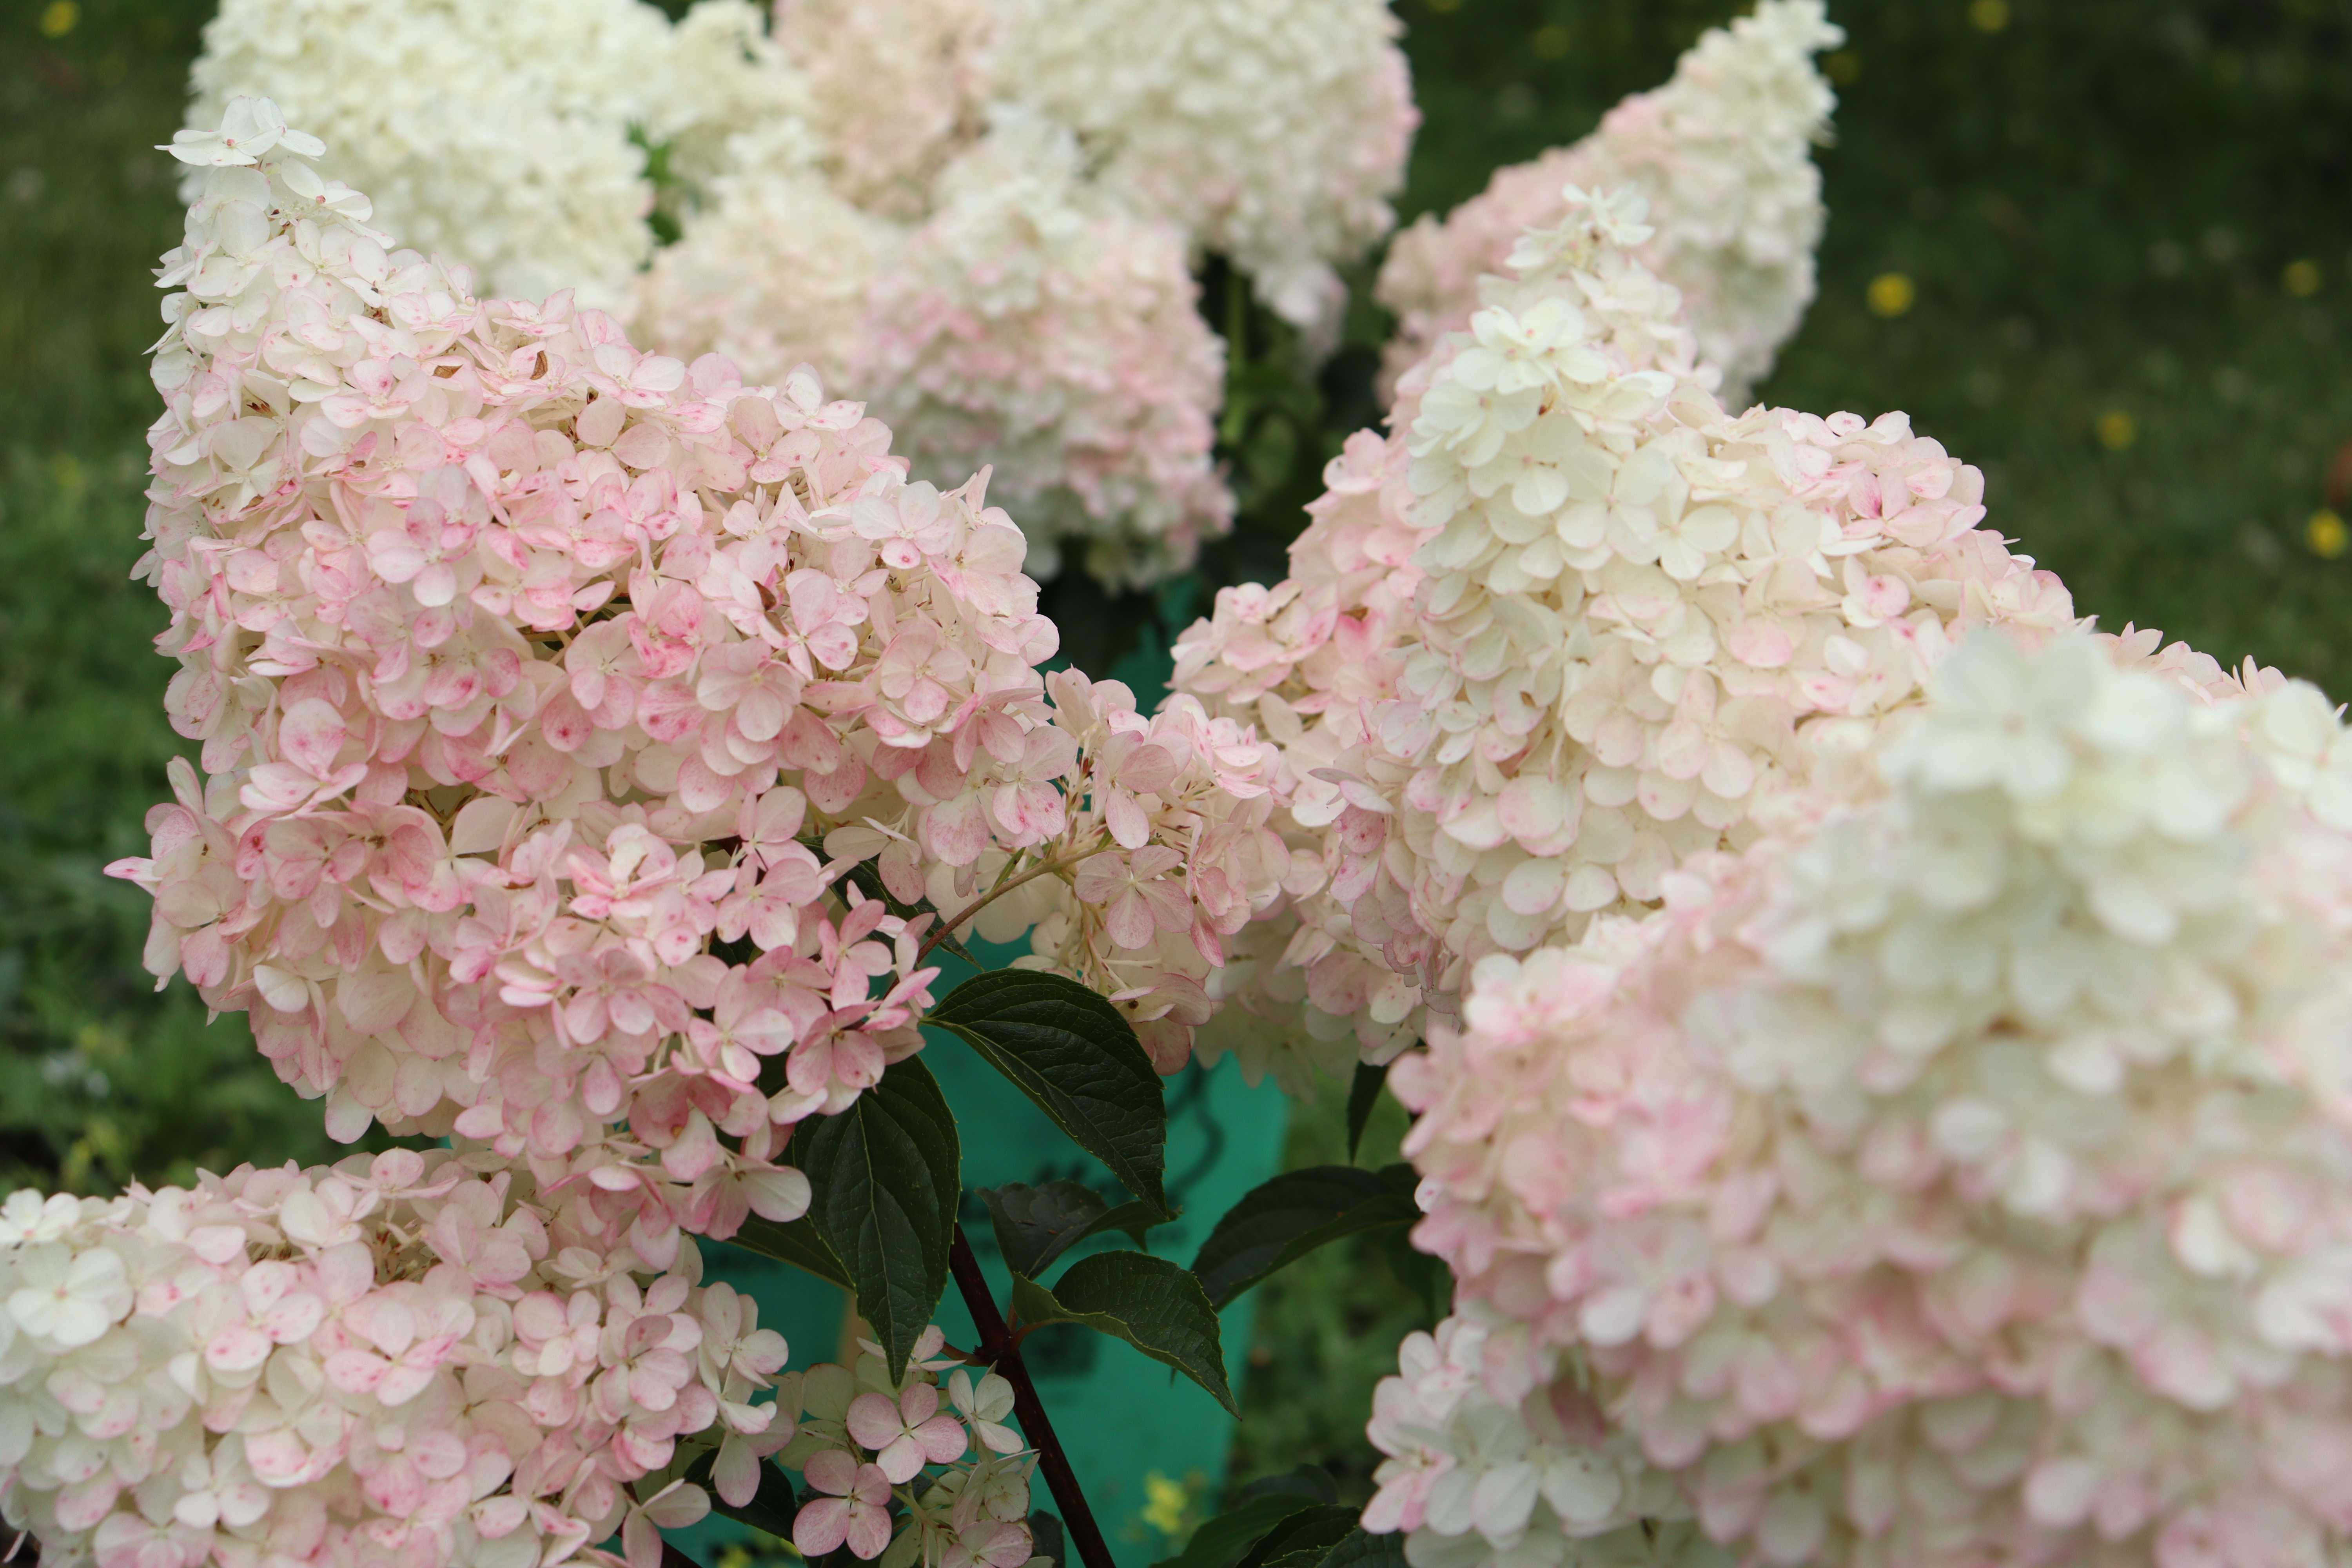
(1002, 1350)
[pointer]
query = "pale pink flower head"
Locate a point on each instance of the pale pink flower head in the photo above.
(395, 1348)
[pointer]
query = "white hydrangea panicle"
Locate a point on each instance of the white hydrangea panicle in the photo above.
(1273, 131)
(1959, 1175)
(1571, 624)
(1723, 152)
(399, 1359)
(497, 133)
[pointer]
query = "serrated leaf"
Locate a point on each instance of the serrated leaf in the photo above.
(1312, 1482)
(1363, 1096)
(1360, 1549)
(1223, 1540)
(1307, 1534)
(772, 1508)
(1037, 1224)
(1077, 1056)
(1135, 1219)
(1425, 1278)
(885, 1175)
(1045, 1538)
(1285, 1219)
(795, 1242)
(1152, 1303)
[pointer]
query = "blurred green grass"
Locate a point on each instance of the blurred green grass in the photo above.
(2104, 211)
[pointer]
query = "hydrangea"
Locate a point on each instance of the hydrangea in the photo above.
(776, 268)
(1498, 1453)
(1271, 134)
(1722, 154)
(1021, 324)
(492, 133)
(1956, 1178)
(916, 1469)
(394, 1360)
(551, 693)
(899, 87)
(1569, 626)
(1273, 131)
(1025, 325)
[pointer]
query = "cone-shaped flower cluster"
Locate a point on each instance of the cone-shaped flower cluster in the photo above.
(1571, 624)
(1959, 1179)
(395, 1360)
(978, 215)
(548, 689)
(1723, 152)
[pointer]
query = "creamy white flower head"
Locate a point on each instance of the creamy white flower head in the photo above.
(496, 133)
(1722, 154)
(1958, 1177)
(1571, 624)
(1271, 130)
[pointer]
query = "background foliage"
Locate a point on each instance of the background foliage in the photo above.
(2102, 251)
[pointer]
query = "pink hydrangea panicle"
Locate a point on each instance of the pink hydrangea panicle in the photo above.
(548, 692)
(1722, 153)
(1950, 1176)
(404, 1358)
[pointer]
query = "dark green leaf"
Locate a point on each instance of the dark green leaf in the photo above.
(1222, 1540)
(1153, 1304)
(1358, 1549)
(1307, 1534)
(1297, 1212)
(1362, 1095)
(796, 1243)
(1312, 1482)
(1423, 1276)
(772, 1508)
(1045, 1538)
(1036, 1224)
(886, 1175)
(1133, 1218)
(1075, 1056)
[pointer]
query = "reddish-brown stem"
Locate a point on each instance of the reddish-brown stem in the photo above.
(1002, 1350)
(672, 1558)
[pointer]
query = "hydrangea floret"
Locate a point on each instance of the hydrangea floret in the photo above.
(932, 1441)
